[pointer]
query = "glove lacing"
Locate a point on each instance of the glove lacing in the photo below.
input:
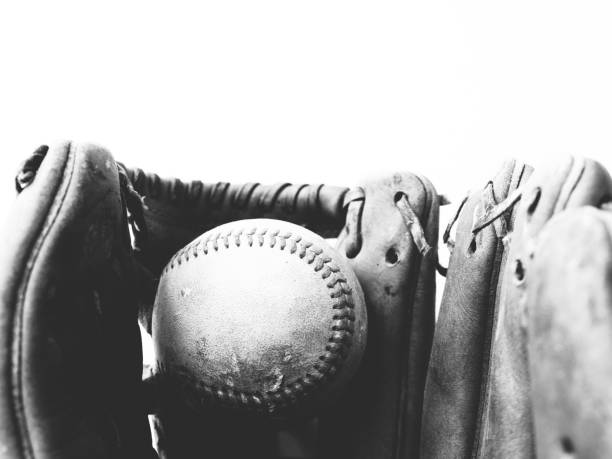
(29, 168)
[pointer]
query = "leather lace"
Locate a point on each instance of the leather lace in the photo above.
(134, 207)
(352, 232)
(29, 168)
(413, 224)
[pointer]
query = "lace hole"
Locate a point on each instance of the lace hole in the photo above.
(392, 257)
(472, 247)
(398, 196)
(519, 270)
(351, 251)
(567, 445)
(534, 200)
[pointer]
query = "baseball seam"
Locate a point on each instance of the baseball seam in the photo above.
(342, 329)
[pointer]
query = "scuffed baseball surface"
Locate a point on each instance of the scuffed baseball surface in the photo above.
(261, 316)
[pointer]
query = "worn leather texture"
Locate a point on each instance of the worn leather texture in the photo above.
(258, 316)
(569, 304)
(71, 356)
(506, 425)
(460, 353)
(390, 241)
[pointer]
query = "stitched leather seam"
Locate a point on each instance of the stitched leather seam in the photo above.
(495, 277)
(502, 253)
(341, 331)
(481, 425)
(17, 382)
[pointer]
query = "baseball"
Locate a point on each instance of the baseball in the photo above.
(260, 316)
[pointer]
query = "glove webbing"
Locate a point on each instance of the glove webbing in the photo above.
(287, 197)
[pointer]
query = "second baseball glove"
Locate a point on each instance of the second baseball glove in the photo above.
(569, 303)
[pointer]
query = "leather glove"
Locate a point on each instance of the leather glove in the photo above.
(71, 355)
(388, 230)
(87, 243)
(390, 239)
(503, 425)
(175, 213)
(462, 338)
(569, 310)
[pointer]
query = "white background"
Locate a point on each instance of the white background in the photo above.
(317, 91)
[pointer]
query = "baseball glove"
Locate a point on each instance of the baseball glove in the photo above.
(504, 420)
(71, 356)
(390, 239)
(569, 299)
(507, 418)
(388, 231)
(175, 213)
(459, 355)
(88, 241)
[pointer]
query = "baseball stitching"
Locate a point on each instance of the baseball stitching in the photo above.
(342, 328)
